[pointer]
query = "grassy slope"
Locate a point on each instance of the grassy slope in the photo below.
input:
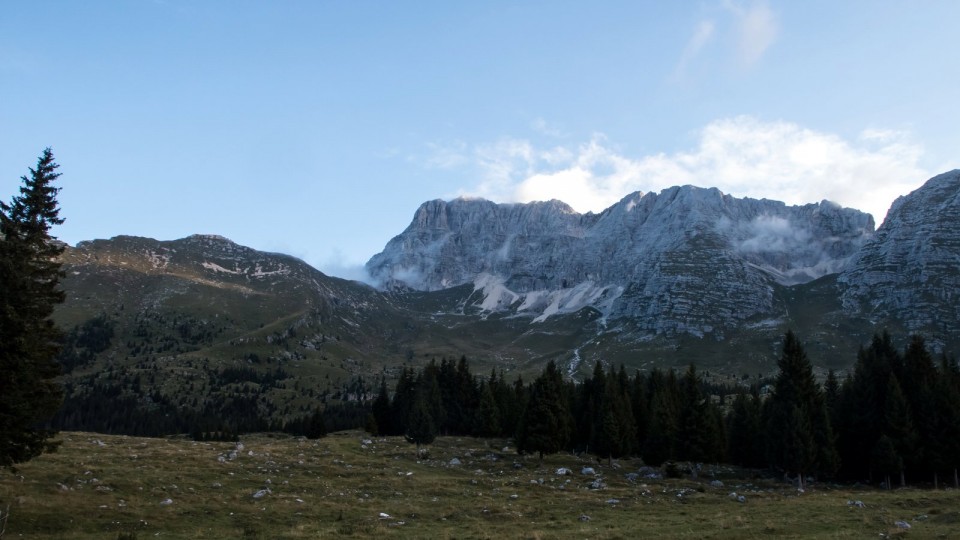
(98, 486)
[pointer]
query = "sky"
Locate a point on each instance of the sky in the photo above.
(316, 128)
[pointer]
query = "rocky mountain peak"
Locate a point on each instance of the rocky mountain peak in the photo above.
(910, 270)
(677, 257)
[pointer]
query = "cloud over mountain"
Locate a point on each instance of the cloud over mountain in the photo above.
(743, 156)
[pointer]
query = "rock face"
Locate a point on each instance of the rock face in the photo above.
(686, 260)
(910, 270)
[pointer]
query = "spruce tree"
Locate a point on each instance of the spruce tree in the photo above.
(898, 427)
(617, 431)
(380, 410)
(946, 395)
(695, 437)
(316, 425)
(29, 291)
(421, 428)
(801, 439)
(546, 425)
(659, 446)
(743, 424)
(402, 402)
(488, 414)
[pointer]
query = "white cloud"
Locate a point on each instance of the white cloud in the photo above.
(542, 127)
(447, 156)
(742, 156)
(337, 264)
(746, 29)
(701, 36)
(757, 29)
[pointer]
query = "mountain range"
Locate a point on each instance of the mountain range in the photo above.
(658, 279)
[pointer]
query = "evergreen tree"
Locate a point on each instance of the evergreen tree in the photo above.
(316, 426)
(467, 396)
(380, 410)
(898, 427)
(743, 426)
(696, 439)
(616, 435)
(659, 445)
(946, 394)
(488, 415)
(919, 383)
(831, 395)
(800, 439)
(885, 459)
(421, 428)
(402, 403)
(29, 290)
(588, 412)
(640, 408)
(428, 388)
(545, 426)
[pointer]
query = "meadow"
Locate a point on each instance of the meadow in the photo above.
(352, 485)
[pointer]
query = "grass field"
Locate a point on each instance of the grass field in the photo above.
(99, 486)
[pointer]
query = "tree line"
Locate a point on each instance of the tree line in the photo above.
(896, 416)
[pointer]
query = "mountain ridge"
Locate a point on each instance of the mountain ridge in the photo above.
(728, 277)
(633, 260)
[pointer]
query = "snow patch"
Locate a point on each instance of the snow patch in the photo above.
(217, 268)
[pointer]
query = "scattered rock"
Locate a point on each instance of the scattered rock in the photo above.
(741, 499)
(588, 471)
(262, 493)
(584, 517)
(858, 504)
(514, 496)
(563, 471)
(455, 462)
(716, 484)
(613, 501)
(632, 477)
(166, 502)
(366, 442)
(597, 484)
(902, 525)
(384, 515)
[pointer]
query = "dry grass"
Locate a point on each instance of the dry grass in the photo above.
(100, 486)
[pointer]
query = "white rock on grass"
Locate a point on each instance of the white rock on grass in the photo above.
(166, 502)
(262, 493)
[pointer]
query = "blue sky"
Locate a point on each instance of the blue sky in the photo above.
(317, 128)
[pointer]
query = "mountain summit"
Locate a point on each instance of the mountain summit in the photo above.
(910, 270)
(686, 260)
